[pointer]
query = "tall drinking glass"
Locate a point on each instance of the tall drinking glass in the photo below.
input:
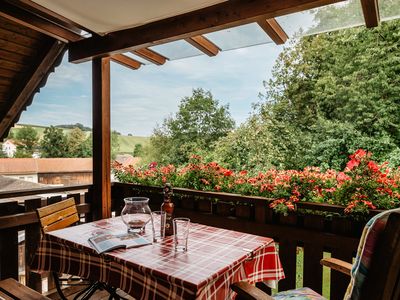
(181, 234)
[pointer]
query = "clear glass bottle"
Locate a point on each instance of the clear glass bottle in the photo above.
(136, 214)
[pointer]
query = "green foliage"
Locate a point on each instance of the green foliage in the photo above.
(2, 153)
(330, 94)
(200, 121)
(78, 144)
(114, 143)
(76, 125)
(54, 143)
(27, 139)
(138, 151)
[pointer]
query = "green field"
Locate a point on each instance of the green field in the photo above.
(126, 143)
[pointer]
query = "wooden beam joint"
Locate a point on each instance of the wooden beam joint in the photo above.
(204, 45)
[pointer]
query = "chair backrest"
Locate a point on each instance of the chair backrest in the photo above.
(58, 215)
(383, 280)
(376, 269)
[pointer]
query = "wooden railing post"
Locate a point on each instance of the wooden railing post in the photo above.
(8, 244)
(32, 238)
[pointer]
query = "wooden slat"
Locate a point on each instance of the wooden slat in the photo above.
(338, 280)
(337, 265)
(34, 22)
(62, 223)
(151, 56)
(6, 64)
(9, 73)
(273, 29)
(126, 61)
(50, 209)
(8, 244)
(32, 239)
(220, 16)
(46, 190)
(15, 27)
(27, 88)
(19, 291)
(370, 10)
(287, 255)
(16, 37)
(313, 253)
(13, 47)
(54, 217)
(204, 45)
(13, 56)
(101, 138)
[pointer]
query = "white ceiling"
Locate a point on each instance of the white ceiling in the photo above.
(103, 16)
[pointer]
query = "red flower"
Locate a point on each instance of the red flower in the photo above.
(352, 164)
(341, 177)
(228, 173)
(373, 166)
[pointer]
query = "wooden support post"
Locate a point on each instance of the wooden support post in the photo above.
(101, 138)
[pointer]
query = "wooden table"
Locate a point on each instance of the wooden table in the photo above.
(215, 259)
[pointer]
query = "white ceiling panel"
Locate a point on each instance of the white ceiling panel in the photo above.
(103, 16)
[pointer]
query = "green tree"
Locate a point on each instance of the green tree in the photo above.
(199, 122)
(27, 138)
(114, 143)
(329, 95)
(54, 143)
(2, 153)
(78, 144)
(138, 151)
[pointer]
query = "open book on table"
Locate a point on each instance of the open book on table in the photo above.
(106, 241)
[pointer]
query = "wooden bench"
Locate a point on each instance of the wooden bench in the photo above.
(10, 289)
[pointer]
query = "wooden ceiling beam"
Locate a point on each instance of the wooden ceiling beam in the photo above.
(204, 45)
(151, 56)
(37, 23)
(220, 16)
(29, 86)
(370, 10)
(273, 29)
(126, 61)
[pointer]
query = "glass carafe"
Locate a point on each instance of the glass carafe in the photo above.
(136, 213)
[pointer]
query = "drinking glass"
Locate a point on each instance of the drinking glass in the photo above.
(159, 218)
(181, 233)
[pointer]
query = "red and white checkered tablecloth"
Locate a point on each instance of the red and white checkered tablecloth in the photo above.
(215, 259)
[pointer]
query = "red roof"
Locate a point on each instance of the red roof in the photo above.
(44, 165)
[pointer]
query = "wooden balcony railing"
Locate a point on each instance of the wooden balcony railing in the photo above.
(303, 238)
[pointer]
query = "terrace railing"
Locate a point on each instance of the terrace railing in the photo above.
(317, 230)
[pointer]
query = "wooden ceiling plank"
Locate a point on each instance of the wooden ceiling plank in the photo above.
(220, 16)
(37, 23)
(14, 27)
(273, 29)
(204, 45)
(370, 10)
(126, 61)
(13, 56)
(16, 37)
(28, 87)
(13, 47)
(151, 56)
(11, 65)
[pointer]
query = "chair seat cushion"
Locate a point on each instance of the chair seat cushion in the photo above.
(299, 294)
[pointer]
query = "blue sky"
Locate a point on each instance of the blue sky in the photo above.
(140, 99)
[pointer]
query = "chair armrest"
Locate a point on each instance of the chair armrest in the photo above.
(246, 291)
(337, 264)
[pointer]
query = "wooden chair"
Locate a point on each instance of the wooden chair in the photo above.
(10, 289)
(58, 216)
(382, 281)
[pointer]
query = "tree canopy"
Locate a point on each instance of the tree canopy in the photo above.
(330, 94)
(54, 143)
(199, 122)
